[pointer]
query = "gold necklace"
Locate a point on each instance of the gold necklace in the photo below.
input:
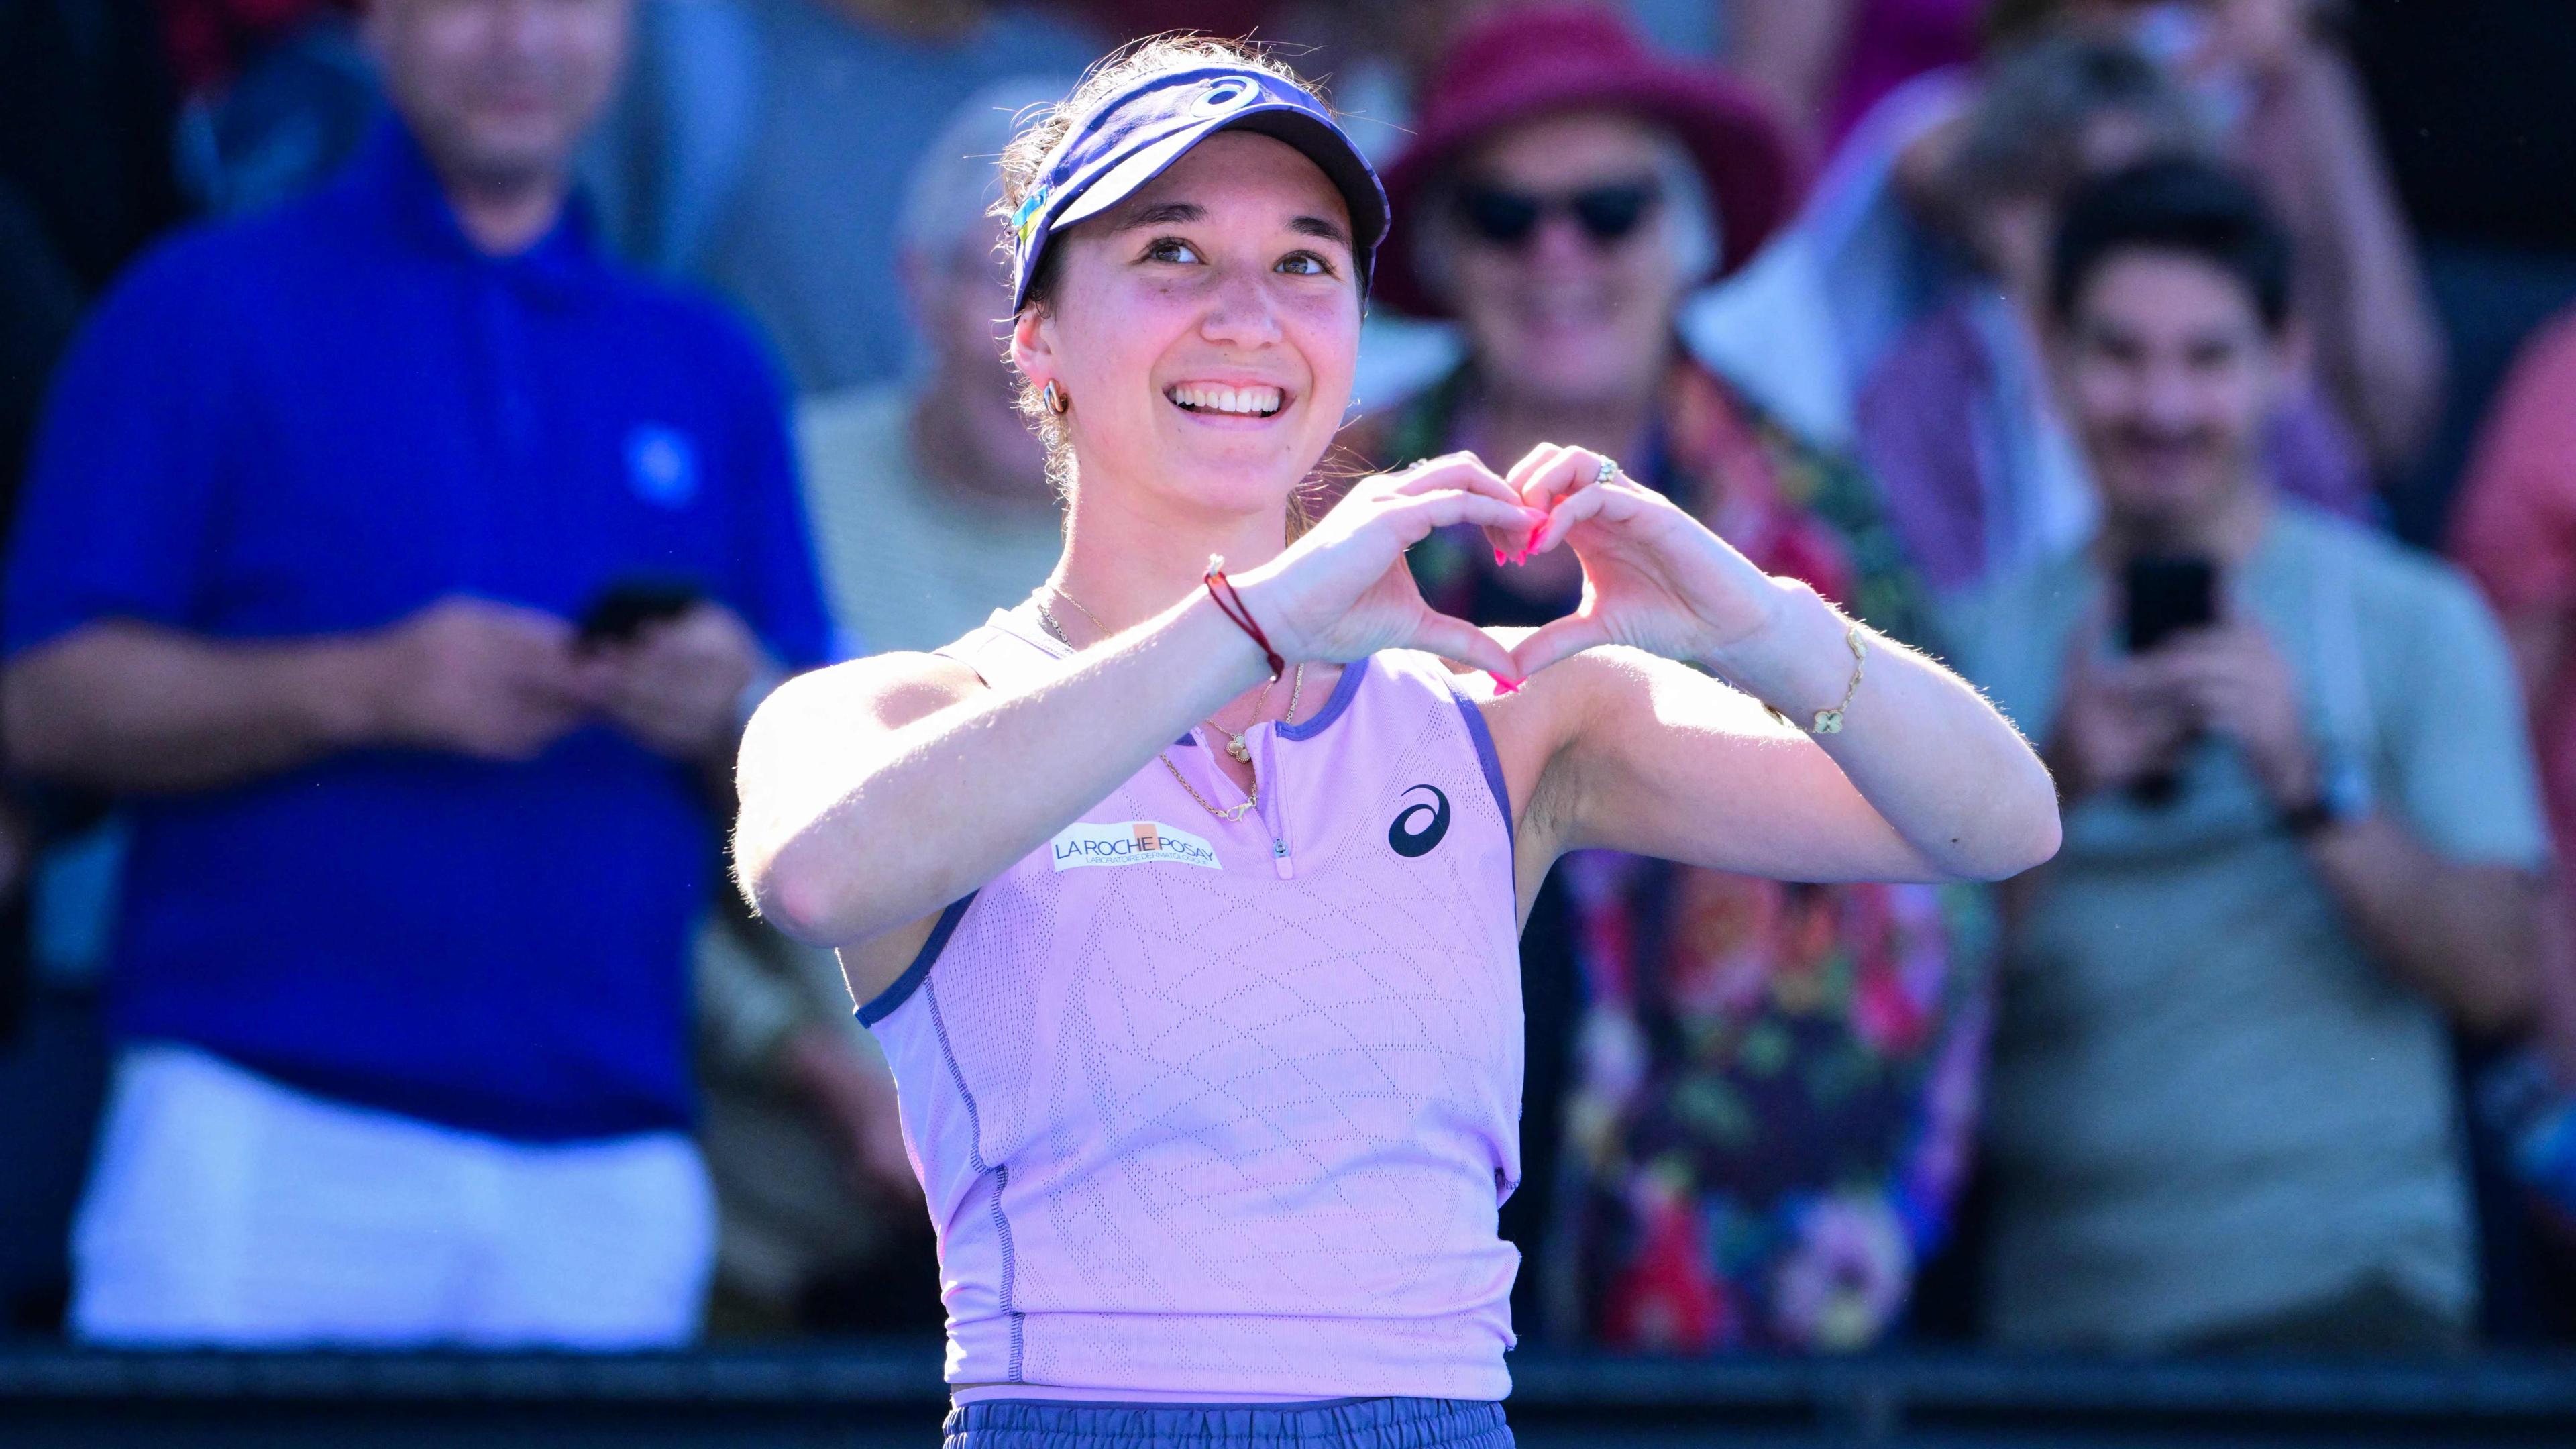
(1234, 744)
(1242, 753)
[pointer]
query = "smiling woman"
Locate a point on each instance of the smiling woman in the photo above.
(1256, 171)
(1185, 895)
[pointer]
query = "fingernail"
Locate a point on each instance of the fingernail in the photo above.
(1506, 686)
(1499, 560)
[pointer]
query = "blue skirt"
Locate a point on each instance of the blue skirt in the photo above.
(1331, 1424)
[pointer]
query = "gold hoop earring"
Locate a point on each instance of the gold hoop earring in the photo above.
(1054, 399)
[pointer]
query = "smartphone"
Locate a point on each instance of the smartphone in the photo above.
(622, 609)
(2159, 598)
(2162, 597)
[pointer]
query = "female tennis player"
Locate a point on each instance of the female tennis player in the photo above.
(1184, 896)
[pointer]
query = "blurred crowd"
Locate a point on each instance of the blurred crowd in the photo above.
(429, 427)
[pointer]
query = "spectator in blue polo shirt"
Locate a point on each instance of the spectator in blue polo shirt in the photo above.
(400, 980)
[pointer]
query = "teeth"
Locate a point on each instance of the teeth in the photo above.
(1245, 401)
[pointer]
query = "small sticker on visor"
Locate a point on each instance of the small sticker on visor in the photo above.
(1025, 220)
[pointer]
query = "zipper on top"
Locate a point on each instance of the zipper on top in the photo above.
(1274, 806)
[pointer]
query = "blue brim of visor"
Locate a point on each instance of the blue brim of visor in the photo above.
(1107, 161)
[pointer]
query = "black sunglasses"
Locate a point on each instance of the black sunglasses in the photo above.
(1510, 218)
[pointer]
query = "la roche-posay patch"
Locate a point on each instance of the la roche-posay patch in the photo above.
(1134, 842)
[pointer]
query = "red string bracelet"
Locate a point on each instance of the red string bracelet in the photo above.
(1230, 604)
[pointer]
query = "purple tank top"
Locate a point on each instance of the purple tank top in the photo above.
(1224, 1110)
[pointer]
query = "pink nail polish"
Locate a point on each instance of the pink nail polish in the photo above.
(1499, 560)
(1507, 686)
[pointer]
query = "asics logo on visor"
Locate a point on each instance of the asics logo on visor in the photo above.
(1131, 137)
(1223, 96)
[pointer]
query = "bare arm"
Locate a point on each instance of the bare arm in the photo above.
(2463, 934)
(877, 792)
(1925, 781)
(133, 707)
(2466, 933)
(2463, 931)
(2380, 349)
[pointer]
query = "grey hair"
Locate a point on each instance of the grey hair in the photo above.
(949, 196)
(1694, 227)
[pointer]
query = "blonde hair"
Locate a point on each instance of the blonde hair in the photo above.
(1024, 164)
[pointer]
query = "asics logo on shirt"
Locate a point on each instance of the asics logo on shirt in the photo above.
(1409, 836)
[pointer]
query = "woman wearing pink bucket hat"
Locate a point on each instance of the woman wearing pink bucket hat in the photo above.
(1761, 1123)
(1558, 59)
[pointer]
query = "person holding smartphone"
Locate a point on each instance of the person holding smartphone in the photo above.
(2302, 843)
(400, 565)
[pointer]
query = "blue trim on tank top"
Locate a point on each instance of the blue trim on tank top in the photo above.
(1011, 1422)
(1000, 1173)
(1187, 1406)
(1490, 762)
(882, 1005)
(1344, 690)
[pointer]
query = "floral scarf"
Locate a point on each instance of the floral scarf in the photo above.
(1774, 1085)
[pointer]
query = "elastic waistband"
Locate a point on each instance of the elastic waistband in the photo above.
(1393, 1423)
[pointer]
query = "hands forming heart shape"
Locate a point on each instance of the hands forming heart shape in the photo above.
(1654, 577)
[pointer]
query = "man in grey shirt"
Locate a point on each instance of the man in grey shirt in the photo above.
(2302, 839)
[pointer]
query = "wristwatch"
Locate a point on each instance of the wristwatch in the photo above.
(2343, 795)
